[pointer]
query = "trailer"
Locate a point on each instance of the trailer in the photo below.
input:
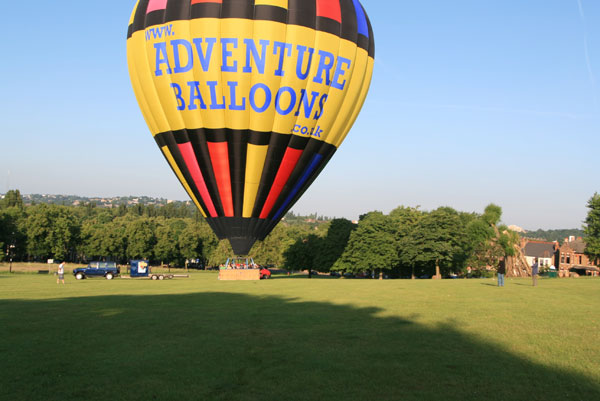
(141, 269)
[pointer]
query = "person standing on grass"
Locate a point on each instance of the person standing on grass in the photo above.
(61, 273)
(501, 271)
(534, 271)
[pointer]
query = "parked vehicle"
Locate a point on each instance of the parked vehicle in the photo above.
(265, 273)
(108, 270)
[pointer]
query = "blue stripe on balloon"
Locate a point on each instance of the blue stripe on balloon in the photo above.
(309, 170)
(361, 18)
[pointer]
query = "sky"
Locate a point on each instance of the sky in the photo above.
(472, 102)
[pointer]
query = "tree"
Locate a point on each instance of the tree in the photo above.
(333, 244)
(272, 250)
(52, 231)
(167, 241)
(115, 239)
(435, 241)
(488, 241)
(92, 236)
(220, 253)
(141, 238)
(372, 245)
(301, 254)
(12, 198)
(405, 220)
(592, 229)
(12, 232)
(197, 241)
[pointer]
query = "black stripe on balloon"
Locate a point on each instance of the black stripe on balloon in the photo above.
(327, 153)
(206, 10)
(363, 43)
(371, 37)
(156, 17)
(259, 138)
(302, 12)
(168, 140)
(198, 141)
(160, 139)
(238, 9)
(328, 25)
(349, 22)
(199, 144)
(311, 148)
(298, 142)
(220, 135)
(262, 228)
(129, 31)
(139, 20)
(277, 147)
(270, 13)
(178, 10)
(237, 146)
(217, 225)
(216, 135)
(213, 226)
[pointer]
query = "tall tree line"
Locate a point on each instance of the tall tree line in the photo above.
(168, 234)
(407, 242)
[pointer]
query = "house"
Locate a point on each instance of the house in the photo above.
(573, 259)
(546, 252)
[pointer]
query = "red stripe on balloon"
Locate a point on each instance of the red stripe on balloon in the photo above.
(219, 155)
(329, 9)
(192, 164)
(206, 1)
(290, 159)
(154, 5)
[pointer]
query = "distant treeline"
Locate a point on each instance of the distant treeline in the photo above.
(553, 235)
(406, 242)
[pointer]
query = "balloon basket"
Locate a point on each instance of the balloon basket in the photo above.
(239, 274)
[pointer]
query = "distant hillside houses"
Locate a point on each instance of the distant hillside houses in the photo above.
(108, 202)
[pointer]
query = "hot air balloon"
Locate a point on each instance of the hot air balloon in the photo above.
(248, 100)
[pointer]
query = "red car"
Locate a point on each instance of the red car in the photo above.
(265, 273)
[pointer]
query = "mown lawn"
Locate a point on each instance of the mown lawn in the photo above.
(298, 339)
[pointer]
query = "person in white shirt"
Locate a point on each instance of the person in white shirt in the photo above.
(61, 273)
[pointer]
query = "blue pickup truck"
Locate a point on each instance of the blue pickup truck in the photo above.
(108, 270)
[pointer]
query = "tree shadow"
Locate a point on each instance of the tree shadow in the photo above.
(225, 346)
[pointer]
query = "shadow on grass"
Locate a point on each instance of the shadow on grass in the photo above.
(222, 346)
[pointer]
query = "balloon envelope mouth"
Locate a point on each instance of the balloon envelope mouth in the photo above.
(242, 245)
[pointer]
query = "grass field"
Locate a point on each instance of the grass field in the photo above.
(298, 339)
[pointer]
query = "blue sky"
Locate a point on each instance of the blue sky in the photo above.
(472, 102)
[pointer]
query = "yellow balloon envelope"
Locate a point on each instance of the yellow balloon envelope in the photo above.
(249, 99)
